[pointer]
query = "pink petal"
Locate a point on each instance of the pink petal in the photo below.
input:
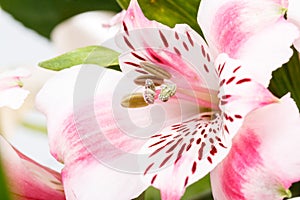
(135, 19)
(274, 50)
(94, 136)
(239, 27)
(183, 153)
(179, 51)
(294, 17)
(263, 161)
(11, 93)
(27, 179)
(239, 92)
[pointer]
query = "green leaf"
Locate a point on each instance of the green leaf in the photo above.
(3, 186)
(169, 12)
(43, 15)
(98, 55)
(286, 79)
(200, 188)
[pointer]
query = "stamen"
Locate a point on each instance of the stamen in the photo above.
(134, 100)
(20, 83)
(167, 91)
(149, 96)
(149, 93)
(149, 84)
(155, 70)
(140, 80)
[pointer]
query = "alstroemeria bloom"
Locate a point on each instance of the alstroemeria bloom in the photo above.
(27, 179)
(173, 65)
(11, 92)
(254, 31)
(190, 63)
(263, 161)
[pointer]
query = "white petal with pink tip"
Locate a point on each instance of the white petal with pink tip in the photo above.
(27, 179)
(93, 133)
(11, 93)
(263, 162)
(239, 27)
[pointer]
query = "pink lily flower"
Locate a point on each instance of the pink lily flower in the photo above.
(263, 161)
(27, 179)
(95, 140)
(11, 92)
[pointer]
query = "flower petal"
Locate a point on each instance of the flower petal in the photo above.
(274, 50)
(239, 92)
(27, 179)
(93, 135)
(11, 92)
(183, 153)
(13, 97)
(135, 19)
(77, 139)
(262, 163)
(239, 27)
(294, 17)
(82, 30)
(181, 52)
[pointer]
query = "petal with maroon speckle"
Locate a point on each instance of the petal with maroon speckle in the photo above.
(183, 153)
(239, 93)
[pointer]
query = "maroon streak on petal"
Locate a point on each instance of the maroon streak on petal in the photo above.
(163, 38)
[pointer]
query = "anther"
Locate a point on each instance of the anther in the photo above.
(134, 100)
(140, 80)
(149, 93)
(155, 70)
(167, 91)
